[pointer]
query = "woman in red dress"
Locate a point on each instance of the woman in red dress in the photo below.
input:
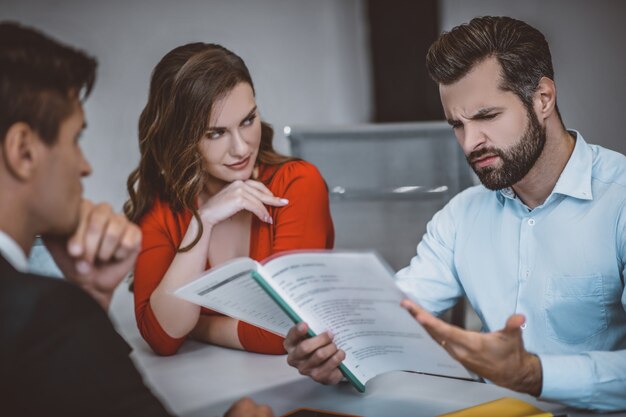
(209, 188)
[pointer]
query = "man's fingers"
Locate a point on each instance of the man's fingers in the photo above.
(335, 377)
(76, 243)
(317, 359)
(328, 373)
(264, 410)
(445, 334)
(130, 243)
(514, 322)
(246, 407)
(306, 347)
(122, 239)
(111, 238)
(427, 320)
(413, 309)
(94, 233)
(295, 335)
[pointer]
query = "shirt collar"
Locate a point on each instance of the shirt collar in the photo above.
(12, 252)
(506, 193)
(575, 179)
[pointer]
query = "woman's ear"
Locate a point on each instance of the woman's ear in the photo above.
(21, 149)
(545, 98)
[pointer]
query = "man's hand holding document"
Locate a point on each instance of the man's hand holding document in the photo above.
(352, 295)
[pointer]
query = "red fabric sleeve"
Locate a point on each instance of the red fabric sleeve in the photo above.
(255, 339)
(161, 235)
(305, 223)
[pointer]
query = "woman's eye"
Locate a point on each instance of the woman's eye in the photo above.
(214, 134)
(248, 121)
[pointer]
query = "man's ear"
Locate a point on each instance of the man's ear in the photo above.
(21, 150)
(545, 98)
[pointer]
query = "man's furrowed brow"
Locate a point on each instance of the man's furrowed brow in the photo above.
(452, 122)
(484, 112)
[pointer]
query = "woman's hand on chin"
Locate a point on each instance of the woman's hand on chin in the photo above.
(239, 195)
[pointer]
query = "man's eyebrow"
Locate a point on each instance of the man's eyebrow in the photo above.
(211, 128)
(484, 112)
(480, 114)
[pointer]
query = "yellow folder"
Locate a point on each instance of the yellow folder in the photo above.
(504, 407)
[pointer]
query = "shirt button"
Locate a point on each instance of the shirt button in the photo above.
(524, 326)
(531, 222)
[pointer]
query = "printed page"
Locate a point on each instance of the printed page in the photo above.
(229, 289)
(354, 296)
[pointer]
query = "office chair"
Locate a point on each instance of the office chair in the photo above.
(386, 181)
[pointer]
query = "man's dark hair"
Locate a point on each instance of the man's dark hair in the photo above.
(521, 50)
(40, 79)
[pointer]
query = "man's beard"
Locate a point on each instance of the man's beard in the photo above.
(516, 161)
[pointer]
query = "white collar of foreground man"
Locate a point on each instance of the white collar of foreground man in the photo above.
(12, 252)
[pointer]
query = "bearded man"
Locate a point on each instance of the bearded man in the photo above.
(539, 248)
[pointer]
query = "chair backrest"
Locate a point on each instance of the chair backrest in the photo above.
(385, 180)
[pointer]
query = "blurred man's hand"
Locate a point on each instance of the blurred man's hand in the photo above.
(100, 253)
(248, 408)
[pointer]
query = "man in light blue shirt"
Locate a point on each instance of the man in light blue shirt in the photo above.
(539, 249)
(560, 265)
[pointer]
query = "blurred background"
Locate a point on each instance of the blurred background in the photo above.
(322, 62)
(327, 74)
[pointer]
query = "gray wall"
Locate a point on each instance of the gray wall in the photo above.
(586, 41)
(309, 61)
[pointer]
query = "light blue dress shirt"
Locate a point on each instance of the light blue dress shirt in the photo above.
(561, 265)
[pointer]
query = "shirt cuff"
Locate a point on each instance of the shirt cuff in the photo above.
(567, 379)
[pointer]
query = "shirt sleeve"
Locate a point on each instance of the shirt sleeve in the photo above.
(592, 380)
(255, 339)
(77, 363)
(157, 253)
(305, 223)
(431, 280)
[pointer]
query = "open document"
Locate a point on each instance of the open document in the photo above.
(351, 294)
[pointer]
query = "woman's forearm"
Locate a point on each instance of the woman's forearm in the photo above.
(217, 330)
(176, 316)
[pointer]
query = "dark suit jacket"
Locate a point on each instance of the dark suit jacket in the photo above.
(60, 356)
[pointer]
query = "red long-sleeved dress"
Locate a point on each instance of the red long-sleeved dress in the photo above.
(305, 223)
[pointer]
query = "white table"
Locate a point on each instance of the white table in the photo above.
(203, 380)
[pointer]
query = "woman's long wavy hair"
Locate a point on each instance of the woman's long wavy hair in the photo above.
(184, 86)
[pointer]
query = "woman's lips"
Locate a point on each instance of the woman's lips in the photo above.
(240, 164)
